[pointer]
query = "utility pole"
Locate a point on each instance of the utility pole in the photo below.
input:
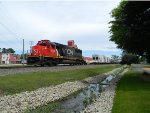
(31, 43)
(23, 53)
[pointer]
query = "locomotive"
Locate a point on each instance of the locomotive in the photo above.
(50, 53)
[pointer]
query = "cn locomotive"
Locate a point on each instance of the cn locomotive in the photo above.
(50, 53)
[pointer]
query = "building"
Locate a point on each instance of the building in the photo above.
(5, 58)
(10, 58)
(18, 59)
(0, 57)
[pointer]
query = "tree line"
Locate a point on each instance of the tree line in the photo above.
(8, 50)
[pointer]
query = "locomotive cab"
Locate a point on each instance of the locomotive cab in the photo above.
(44, 48)
(44, 52)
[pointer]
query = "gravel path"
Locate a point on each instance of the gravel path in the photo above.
(4, 72)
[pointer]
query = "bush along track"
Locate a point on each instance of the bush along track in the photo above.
(31, 100)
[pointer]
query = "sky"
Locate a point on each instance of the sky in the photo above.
(84, 21)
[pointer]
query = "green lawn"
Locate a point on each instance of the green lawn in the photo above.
(132, 95)
(34, 80)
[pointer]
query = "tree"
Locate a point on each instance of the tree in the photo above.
(130, 27)
(4, 50)
(10, 50)
(115, 58)
(129, 59)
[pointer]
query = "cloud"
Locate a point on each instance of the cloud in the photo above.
(86, 22)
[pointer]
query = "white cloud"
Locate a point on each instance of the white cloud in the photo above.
(84, 21)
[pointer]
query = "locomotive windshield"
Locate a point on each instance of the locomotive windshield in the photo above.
(41, 43)
(46, 43)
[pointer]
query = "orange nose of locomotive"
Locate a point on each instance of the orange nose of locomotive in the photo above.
(37, 50)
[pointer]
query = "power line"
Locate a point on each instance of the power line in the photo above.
(9, 30)
(14, 35)
(4, 25)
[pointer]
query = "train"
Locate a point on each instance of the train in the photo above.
(100, 59)
(97, 59)
(50, 53)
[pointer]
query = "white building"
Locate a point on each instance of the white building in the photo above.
(5, 58)
(9, 58)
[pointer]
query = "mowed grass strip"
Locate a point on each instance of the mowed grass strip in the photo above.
(31, 81)
(132, 94)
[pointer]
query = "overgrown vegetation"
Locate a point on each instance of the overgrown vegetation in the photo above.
(132, 95)
(31, 81)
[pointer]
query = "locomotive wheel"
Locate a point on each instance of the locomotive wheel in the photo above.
(35, 65)
(42, 65)
(71, 64)
(55, 64)
(50, 63)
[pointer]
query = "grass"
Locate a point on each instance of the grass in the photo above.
(132, 95)
(45, 109)
(31, 81)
